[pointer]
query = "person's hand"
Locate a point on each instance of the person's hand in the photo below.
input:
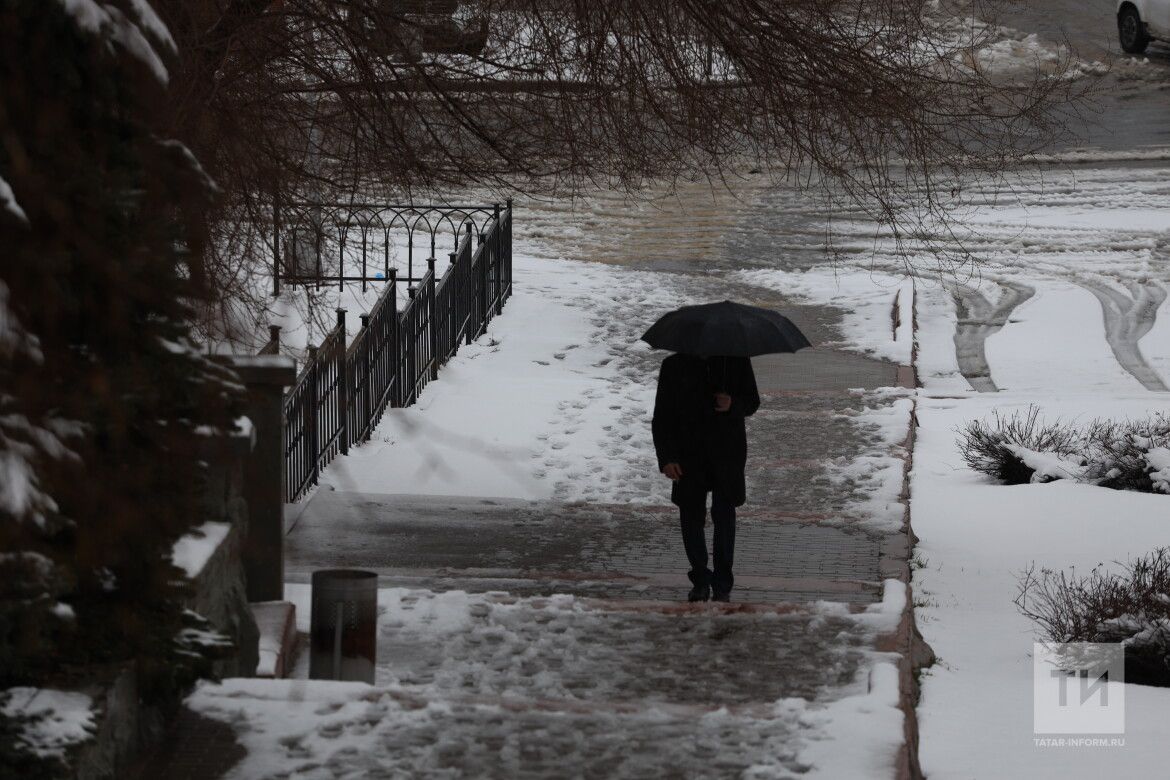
(722, 402)
(673, 471)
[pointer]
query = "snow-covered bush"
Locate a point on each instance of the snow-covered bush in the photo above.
(1134, 455)
(1016, 449)
(1131, 608)
(1020, 448)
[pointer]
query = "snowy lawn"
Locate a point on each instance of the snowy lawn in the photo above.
(977, 537)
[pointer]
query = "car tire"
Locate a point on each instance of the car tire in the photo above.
(1131, 31)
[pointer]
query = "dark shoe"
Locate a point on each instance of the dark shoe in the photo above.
(721, 595)
(699, 593)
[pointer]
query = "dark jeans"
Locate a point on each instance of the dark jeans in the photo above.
(693, 515)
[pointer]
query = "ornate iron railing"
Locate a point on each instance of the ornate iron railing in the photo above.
(323, 244)
(342, 392)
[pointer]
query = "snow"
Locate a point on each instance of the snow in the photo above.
(8, 201)
(869, 298)
(192, 552)
(63, 611)
(242, 428)
(514, 670)
(107, 20)
(1158, 462)
(19, 490)
(1023, 57)
(1047, 466)
(976, 538)
(874, 723)
(874, 476)
(1091, 341)
(1050, 329)
(21, 444)
(532, 410)
(14, 339)
(150, 22)
(62, 719)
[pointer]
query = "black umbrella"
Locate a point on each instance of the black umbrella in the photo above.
(730, 329)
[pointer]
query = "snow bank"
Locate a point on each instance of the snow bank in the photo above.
(58, 719)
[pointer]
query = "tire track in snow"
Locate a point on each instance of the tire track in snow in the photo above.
(1129, 317)
(978, 318)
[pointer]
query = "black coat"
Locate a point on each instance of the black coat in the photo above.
(709, 446)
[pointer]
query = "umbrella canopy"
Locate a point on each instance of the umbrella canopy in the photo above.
(726, 328)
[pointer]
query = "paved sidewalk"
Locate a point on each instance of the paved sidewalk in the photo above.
(622, 680)
(547, 639)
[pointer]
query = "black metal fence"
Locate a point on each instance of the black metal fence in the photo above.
(342, 392)
(322, 244)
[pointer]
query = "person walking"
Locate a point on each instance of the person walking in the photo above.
(701, 442)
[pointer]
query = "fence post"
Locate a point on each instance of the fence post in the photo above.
(468, 290)
(395, 357)
(451, 338)
(264, 474)
(275, 244)
(484, 295)
(342, 388)
(314, 421)
(508, 248)
(432, 324)
(365, 354)
(498, 257)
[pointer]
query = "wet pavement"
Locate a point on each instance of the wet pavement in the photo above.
(572, 651)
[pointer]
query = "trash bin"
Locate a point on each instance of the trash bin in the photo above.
(343, 625)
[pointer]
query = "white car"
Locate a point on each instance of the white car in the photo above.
(1142, 21)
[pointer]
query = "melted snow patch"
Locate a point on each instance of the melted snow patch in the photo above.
(57, 719)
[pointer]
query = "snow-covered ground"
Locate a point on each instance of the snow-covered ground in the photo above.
(1075, 287)
(560, 686)
(551, 403)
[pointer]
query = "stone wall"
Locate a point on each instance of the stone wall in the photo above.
(219, 590)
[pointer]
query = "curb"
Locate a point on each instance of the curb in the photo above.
(913, 652)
